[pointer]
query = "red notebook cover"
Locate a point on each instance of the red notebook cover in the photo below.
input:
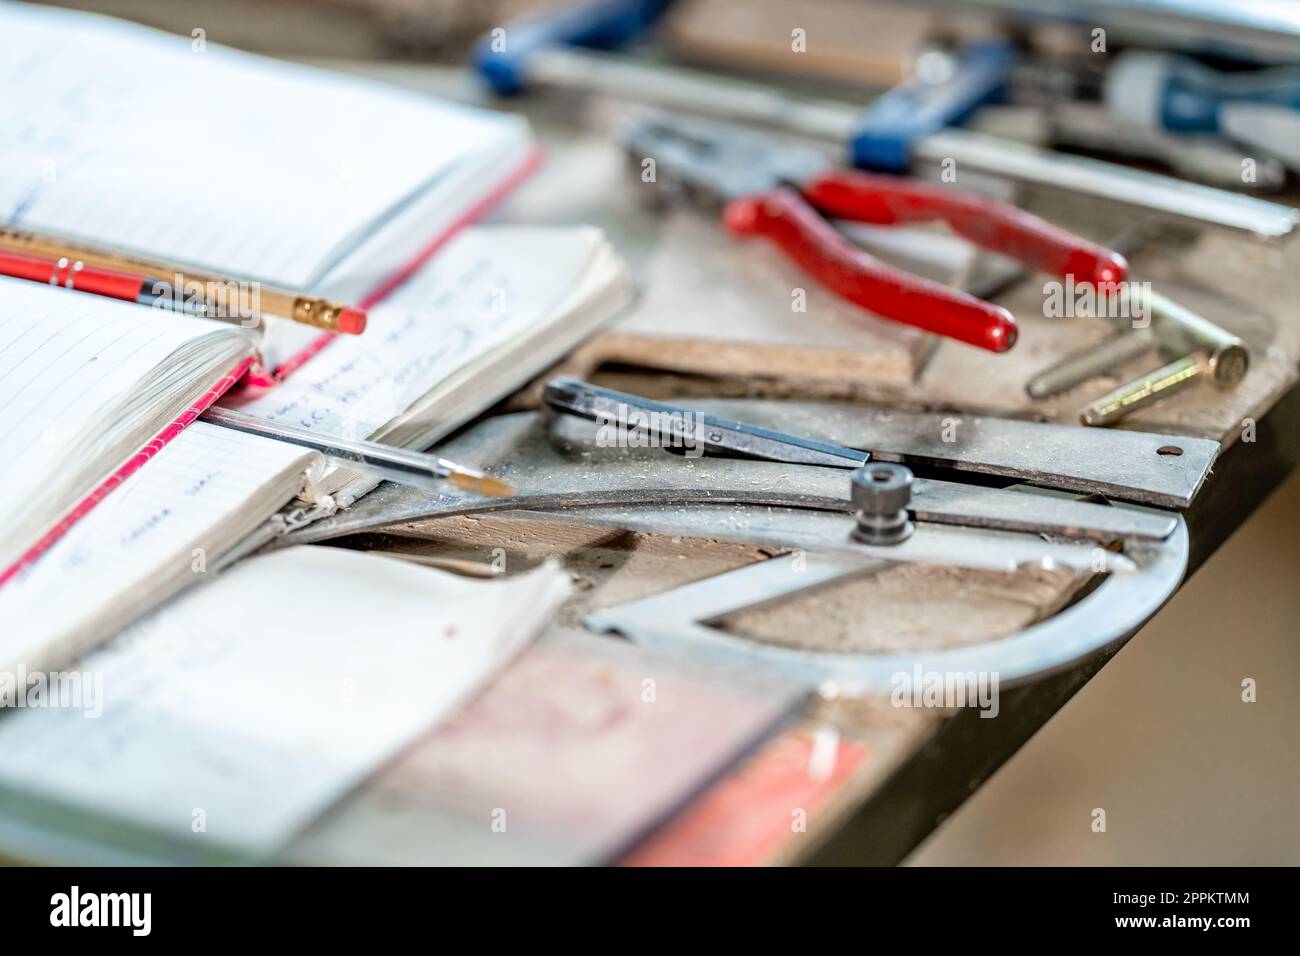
(754, 813)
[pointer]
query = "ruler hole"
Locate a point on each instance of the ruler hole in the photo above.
(1171, 450)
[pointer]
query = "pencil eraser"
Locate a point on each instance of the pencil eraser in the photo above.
(352, 321)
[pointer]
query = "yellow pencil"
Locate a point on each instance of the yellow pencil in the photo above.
(228, 298)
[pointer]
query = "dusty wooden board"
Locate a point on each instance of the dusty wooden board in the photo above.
(892, 734)
(710, 304)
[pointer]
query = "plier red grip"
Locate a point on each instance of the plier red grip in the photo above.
(796, 192)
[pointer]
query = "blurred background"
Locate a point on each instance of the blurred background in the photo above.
(1187, 772)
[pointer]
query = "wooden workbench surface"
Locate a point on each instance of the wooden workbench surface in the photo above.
(919, 764)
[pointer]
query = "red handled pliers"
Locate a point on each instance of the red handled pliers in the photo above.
(784, 193)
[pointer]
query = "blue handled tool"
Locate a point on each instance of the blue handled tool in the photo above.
(915, 123)
(1159, 90)
(557, 48)
(506, 56)
(888, 131)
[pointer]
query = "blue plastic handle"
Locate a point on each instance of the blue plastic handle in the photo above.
(916, 108)
(503, 56)
(1193, 93)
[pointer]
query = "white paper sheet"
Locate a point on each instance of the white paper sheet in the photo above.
(142, 537)
(248, 706)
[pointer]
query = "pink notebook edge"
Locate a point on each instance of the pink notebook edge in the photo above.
(126, 470)
(532, 161)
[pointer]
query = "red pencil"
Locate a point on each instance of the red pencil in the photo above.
(191, 298)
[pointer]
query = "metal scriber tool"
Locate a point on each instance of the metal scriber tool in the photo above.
(674, 426)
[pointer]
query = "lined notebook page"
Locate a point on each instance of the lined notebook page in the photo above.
(486, 286)
(64, 354)
(71, 374)
(336, 659)
(203, 155)
(142, 536)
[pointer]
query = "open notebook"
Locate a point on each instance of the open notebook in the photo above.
(245, 166)
(298, 177)
(85, 383)
(293, 176)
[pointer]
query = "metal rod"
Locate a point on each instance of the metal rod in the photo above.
(1168, 197)
(693, 91)
(1147, 390)
(1181, 331)
(1077, 368)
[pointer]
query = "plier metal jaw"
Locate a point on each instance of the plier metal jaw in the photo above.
(788, 193)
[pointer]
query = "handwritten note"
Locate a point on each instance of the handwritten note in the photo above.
(489, 286)
(156, 533)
